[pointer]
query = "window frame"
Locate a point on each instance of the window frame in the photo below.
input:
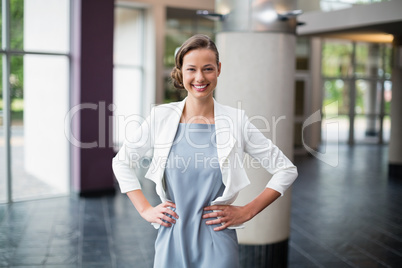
(6, 53)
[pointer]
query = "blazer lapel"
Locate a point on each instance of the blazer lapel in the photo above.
(224, 127)
(168, 127)
(164, 130)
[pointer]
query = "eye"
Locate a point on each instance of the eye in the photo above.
(209, 69)
(190, 69)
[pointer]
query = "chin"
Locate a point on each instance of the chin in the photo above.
(201, 95)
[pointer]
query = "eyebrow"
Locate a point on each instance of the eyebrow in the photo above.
(206, 65)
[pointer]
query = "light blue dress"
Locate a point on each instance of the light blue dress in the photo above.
(192, 180)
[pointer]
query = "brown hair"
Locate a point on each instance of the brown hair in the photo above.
(197, 41)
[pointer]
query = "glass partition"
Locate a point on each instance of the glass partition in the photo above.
(387, 111)
(17, 24)
(357, 76)
(337, 58)
(127, 36)
(128, 72)
(302, 53)
(3, 174)
(38, 86)
(1, 28)
(337, 90)
(39, 148)
(46, 25)
(367, 109)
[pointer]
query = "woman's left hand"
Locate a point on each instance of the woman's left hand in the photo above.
(227, 215)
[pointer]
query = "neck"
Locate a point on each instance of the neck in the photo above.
(199, 111)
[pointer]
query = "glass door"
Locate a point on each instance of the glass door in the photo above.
(357, 76)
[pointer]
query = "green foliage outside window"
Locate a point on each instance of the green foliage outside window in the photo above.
(339, 70)
(17, 62)
(336, 59)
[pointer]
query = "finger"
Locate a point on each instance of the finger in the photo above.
(211, 215)
(167, 218)
(164, 208)
(222, 220)
(222, 224)
(211, 222)
(166, 224)
(169, 204)
(171, 212)
(222, 227)
(214, 214)
(215, 207)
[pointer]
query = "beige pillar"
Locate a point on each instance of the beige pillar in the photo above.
(257, 51)
(316, 90)
(371, 98)
(261, 81)
(395, 144)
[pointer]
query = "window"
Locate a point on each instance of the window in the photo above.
(128, 71)
(357, 76)
(35, 99)
(329, 5)
(302, 54)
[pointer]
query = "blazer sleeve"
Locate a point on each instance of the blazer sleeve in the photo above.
(270, 157)
(130, 158)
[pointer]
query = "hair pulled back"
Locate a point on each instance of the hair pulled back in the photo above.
(198, 41)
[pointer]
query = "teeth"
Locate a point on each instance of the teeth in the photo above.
(200, 87)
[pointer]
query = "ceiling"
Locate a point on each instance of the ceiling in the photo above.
(379, 23)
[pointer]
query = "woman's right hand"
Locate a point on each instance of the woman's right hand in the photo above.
(161, 214)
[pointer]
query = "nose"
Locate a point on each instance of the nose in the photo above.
(199, 77)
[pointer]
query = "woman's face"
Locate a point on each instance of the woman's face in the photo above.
(200, 73)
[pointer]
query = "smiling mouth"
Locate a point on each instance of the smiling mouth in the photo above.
(200, 87)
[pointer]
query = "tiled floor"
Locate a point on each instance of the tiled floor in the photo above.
(345, 216)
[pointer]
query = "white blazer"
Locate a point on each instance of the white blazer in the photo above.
(235, 137)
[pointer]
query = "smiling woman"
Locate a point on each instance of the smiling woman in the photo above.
(198, 184)
(197, 70)
(200, 72)
(181, 24)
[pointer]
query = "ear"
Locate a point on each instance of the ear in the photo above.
(219, 68)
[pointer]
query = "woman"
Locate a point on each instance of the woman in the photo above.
(197, 148)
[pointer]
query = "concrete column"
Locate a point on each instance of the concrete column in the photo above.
(395, 144)
(371, 96)
(257, 52)
(316, 90)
